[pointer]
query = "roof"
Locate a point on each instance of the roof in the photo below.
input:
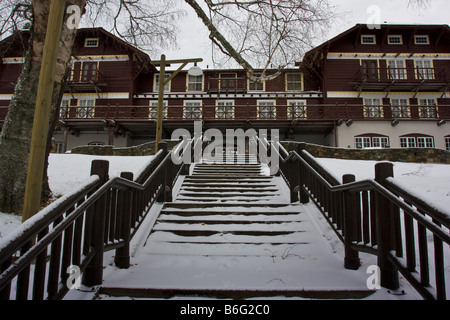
(360, 27)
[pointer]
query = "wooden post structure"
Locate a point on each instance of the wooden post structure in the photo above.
(93, 275)
(163, 63)
(351, 260)
(159, 117)
(122, 258)
(33, 188)
(388, 272)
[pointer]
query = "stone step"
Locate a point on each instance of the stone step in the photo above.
(234, 294)
(221, 194)
(224, 249)
(214, 237)
(234, 226)
(227, 188)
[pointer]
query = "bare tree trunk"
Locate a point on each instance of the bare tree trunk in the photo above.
(16, 133)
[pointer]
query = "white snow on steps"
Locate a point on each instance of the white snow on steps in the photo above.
(246, 239)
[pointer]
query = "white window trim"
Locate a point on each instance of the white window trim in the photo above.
(91, 39)
(301, 103)
(185, 106)
(395, 36)
(267, 101)
(253, 90)
(218, 106)
(302, 82)
(372, 36)
(187, 84)
(153, 104)
(422, 36)
(169, 85)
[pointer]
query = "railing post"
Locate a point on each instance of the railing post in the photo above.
(122, 258)
(388, 272)
(304, 198)
(93, 274)
(351, 260)
(162, 195)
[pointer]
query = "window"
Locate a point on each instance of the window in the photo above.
(417, 142)
(153, 110)
(192, 110)
(371, 141)
(91, 42)
(256, 85)
(396, 69)
(368, 39)
(427, 108)
(362, 142)
(225, 109)
(400, 108)
(228, 81)
(297, 109)
(373, 108)
(166, 87)
(407, 142)
(370, 69)
(64, 109)
(424, 70)
(89, 72)
(421, 39)
(294, 81)
(85, 108)
(266, 109)
(395, 40)
(380, 142)
(447, 143)
(425, 142)
(195, 83)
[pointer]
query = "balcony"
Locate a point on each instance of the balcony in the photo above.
(279, 113)
(87, 82)
(227, 85)
(401, 79)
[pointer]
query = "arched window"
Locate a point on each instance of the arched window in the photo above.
(371, 140)
(415, 140)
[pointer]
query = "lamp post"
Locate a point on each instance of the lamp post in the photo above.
(163, 63)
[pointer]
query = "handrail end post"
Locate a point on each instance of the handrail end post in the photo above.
(93, 274)
(388, 272)
(351, 260)
(122, 257)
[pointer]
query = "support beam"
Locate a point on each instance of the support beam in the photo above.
(33, 188)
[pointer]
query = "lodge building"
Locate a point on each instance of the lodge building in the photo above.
(365, 88)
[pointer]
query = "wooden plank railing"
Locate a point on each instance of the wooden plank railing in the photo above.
(378, 217)
(103, 214)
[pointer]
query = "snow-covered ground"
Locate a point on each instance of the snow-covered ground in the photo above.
(67, 171)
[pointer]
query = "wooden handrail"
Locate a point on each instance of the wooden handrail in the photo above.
(366, 217)
(81, 226)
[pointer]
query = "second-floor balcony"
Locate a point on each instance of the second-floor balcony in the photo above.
(87, 81)
(331, 112)
(401, 79)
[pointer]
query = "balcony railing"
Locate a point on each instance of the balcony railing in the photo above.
(227, 85)
(325, 112)
(388, 74)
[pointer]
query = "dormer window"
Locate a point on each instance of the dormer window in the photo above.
(422, 39)
(368, 39)
(395, 40)
(91, 43)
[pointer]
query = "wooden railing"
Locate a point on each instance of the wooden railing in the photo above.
(325, 112)
(75, 231)
(378, 217)
(376, 74)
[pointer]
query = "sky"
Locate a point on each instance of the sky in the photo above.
(193, 40)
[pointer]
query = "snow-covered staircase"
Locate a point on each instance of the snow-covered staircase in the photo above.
(227, 210)
(231, 232)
